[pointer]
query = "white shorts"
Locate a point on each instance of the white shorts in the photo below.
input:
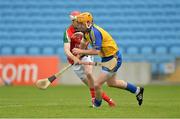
(79, 69)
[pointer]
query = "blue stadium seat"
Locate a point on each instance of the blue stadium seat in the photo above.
(133, 58)
(160, 58)
(60, 51)
(48, 51)
(175, 50)
(132, 50)
(161, 50)
(147, 50)
(6, 50)
(20, 51)
(34, 51)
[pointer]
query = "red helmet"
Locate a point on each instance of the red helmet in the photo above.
(73, 14)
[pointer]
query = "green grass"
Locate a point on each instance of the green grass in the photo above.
(74, 101)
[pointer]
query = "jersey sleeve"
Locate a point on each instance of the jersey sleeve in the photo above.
(65, 38)
(98, 39)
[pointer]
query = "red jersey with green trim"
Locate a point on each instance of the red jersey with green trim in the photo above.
(74, 38)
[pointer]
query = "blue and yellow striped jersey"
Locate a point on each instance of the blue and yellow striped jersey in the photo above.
(101, 40)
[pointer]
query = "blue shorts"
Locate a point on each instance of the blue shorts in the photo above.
(118, 65)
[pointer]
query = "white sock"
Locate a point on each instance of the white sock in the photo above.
(138, 90)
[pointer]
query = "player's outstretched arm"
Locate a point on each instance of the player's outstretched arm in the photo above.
(86, 52)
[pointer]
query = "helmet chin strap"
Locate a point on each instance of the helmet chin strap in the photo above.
(88, 29)
(88, 25)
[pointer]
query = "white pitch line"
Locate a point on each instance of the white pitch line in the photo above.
(5, 106)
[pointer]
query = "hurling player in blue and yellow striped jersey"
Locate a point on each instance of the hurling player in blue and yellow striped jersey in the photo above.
(104, 46)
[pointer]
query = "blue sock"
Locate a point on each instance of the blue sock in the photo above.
(97, 103)
(132, 88)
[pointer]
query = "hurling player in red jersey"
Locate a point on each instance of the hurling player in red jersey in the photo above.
(74, 39)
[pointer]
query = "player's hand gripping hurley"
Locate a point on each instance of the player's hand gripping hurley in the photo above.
(111, 64)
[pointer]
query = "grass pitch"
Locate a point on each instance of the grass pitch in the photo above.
(74, 101)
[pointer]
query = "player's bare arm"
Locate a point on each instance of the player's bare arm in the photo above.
(69, 54)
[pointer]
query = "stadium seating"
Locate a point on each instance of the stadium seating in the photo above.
(6, 50)
(175, 50)
(34, 51)
(20, 50)
(144, 30)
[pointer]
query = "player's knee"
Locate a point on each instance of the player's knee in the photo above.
(97, 86)
(110, 84)
(88, 73)
(89, 76)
